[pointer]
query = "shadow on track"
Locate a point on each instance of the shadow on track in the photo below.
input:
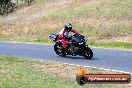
(77, 57)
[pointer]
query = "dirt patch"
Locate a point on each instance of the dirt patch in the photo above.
(57, 69)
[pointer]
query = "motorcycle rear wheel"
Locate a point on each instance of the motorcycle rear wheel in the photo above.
(59, 50)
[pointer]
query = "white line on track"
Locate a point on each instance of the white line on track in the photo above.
(86, 66)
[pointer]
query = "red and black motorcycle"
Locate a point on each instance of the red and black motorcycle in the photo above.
(77, 46)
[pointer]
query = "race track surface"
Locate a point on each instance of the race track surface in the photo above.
(103, 58)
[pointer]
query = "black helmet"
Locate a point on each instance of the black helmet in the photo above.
(68, 26)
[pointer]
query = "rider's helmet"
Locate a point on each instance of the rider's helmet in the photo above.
(68, 26)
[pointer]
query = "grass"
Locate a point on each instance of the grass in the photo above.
(95, 19)
(45, 1)
(19, 73)
(115, 12)
(124, 45)
(110, 9)
(104, 31)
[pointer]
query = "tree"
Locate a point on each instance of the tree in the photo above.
(6, 6)
(28, 1)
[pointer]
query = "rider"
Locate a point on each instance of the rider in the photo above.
(63, 34)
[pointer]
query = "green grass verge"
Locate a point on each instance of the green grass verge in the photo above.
(18, 73)
(124, 45)
(24, 38)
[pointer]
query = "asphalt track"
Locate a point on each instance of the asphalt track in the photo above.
(103, 58)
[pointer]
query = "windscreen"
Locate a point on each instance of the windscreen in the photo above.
(78, 38)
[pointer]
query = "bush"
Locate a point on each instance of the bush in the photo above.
(6, 6)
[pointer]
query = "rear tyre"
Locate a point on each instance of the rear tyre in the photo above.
(88, 54)
(59, 50)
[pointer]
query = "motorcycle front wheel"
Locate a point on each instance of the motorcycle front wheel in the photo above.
(88, 54)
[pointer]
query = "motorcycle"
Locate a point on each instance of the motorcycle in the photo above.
(77, 46)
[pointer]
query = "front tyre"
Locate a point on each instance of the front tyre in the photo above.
(88, 54)
(59, 50)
